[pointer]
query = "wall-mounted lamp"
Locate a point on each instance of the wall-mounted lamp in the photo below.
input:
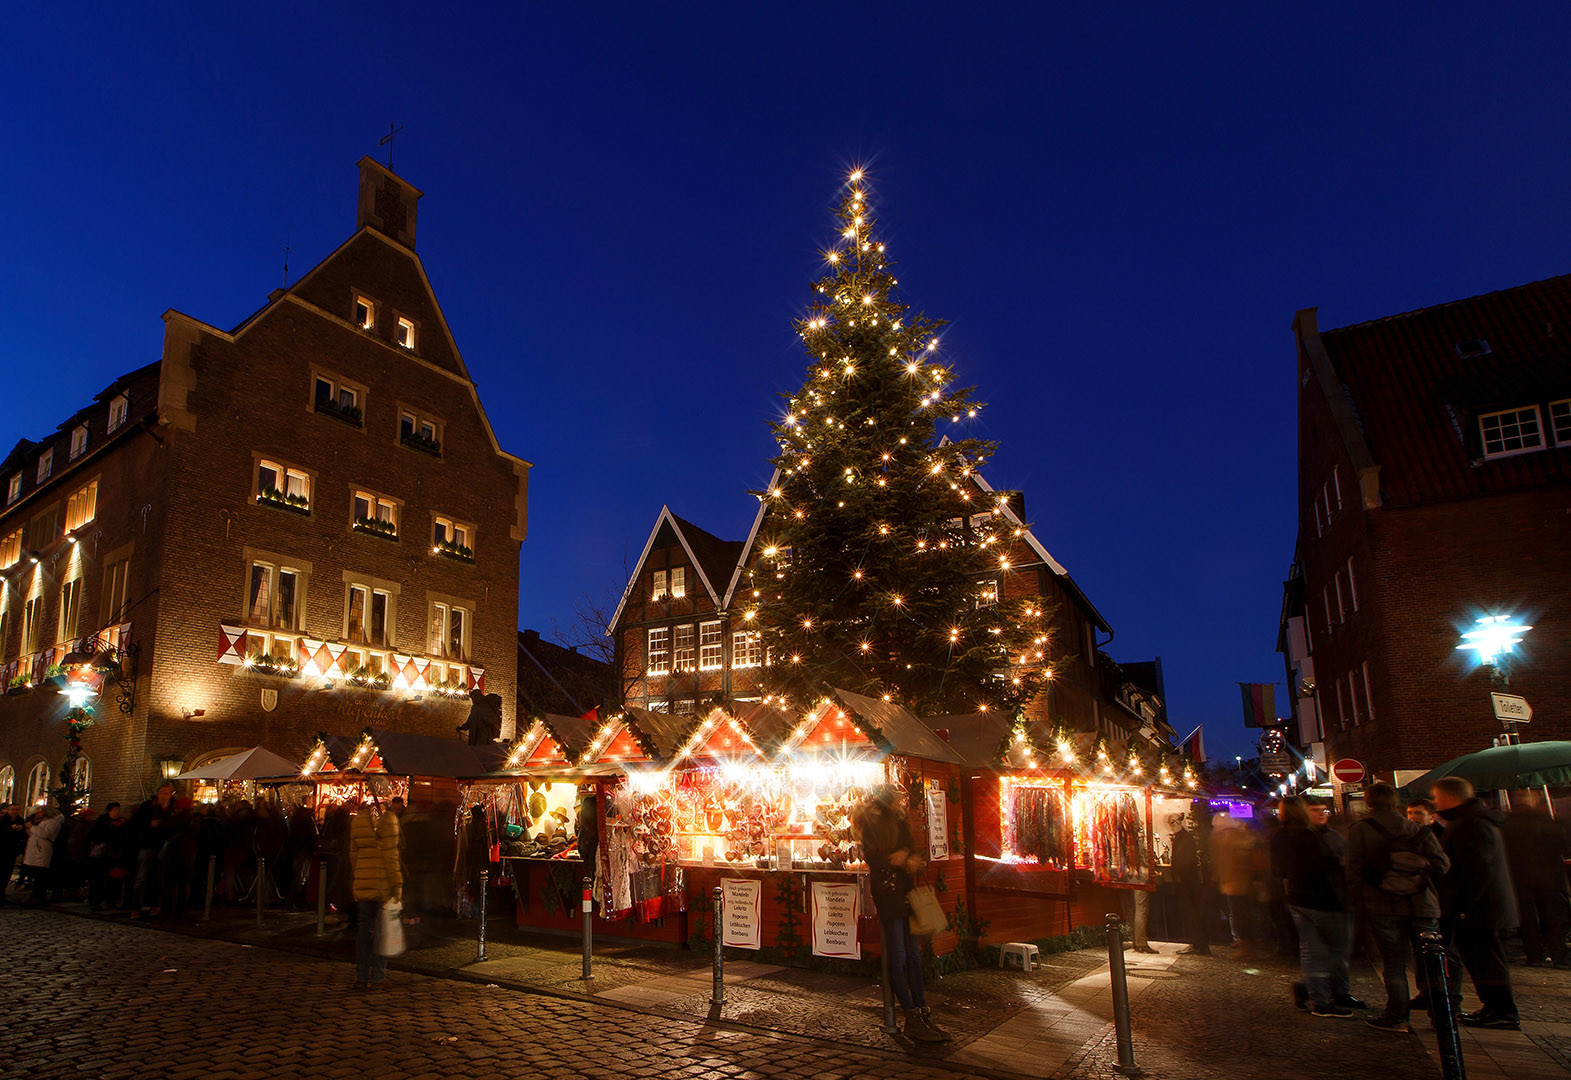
(191, 713)
(170, 767)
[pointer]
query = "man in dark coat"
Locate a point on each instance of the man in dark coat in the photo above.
(13, 838)
(1536, 850)
(1398, 905)
(1476, 899)
(1192, 874)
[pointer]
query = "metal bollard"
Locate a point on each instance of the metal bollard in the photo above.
(207, 907)
(1437, 973)
(589, 929)
(891, 1025)
(321, 895)
(261, 887)
(717, 996)
(1115, 962)
(485, 883)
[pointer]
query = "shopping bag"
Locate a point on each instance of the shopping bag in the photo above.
(927, 918)
(390, 941)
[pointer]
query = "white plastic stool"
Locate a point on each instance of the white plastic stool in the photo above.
(1025, 956)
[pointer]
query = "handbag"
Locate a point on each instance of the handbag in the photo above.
(390, 941)
(927, 918)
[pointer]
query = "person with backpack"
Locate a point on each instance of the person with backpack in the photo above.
(1392, 866)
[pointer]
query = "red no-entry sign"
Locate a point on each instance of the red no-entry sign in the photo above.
(1348, 770)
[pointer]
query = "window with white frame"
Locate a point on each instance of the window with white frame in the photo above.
(678, 582)
(78, 441)
(5, 642)
(747, 650)
(82, 776)
(32, 625)
(273, 596)
(1352, 696)
(13, 488)
(659, 653)
(659, 590)
(116, 575)
(1341, 611)
(420, 431)
(404, 334)
(368, 615)
(119, 408)
(70, 609)
(38, 785)
(365, 312)
(683, 707)
(1325, 595)
(331, 394)
(454, 537)
(1352, 587)
(710, 646)
(375, 513)
(683, 657)
(987, 593)
(11, 550)
(449, 631)
(1369, 695)
(46, 464)
(1511, 431)
(7, 785)
(1341, 712)
(281, 484)
(81, 506)
(1560, 421)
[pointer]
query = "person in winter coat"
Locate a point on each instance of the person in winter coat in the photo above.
(378, 878)
(42, 832)
(13, 838)
(1192, 873)
(110, 847)
(885, 835)
(1392, 867)
(1235, 851)
(1536, 850)
(1476, 900)
(1308, 857)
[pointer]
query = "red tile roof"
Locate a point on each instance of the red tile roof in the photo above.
(1418, 401)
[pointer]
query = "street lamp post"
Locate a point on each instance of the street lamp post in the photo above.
(1492, 640)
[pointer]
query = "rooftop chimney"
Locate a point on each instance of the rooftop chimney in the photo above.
(387, 203)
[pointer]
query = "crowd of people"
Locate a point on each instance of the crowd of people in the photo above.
(154, 861)
(1298, 881)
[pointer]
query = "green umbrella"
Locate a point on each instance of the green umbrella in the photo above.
(1530, 765)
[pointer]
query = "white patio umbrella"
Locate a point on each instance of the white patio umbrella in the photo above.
(254, 764)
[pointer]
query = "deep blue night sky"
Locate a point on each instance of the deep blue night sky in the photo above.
(1119, 211)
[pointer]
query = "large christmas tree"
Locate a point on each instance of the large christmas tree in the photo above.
(881, 563)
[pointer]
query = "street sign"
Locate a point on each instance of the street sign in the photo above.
(1511, 707)
(1348, 770)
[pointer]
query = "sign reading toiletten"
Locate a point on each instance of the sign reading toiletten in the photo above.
(835, 911)
(742, 927)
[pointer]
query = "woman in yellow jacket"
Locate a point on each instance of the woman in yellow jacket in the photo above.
(378, 878)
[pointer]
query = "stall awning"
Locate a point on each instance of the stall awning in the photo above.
(769, 727)
(900, 732)
(987, 741)
(667, 732)
(405, 754)
(254, 764)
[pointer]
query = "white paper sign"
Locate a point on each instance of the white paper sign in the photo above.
(937, 824)
(835, 911)
(742, 927)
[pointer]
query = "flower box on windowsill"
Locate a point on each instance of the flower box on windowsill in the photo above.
(416, 441)
(296, 504)
(454, 551)
(376, 527)
(349, 414)
(19, 685)
(362, 677)
(266, 664)
(452, 687)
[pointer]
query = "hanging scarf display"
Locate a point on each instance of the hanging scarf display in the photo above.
(1118, 851)
(1038, 826)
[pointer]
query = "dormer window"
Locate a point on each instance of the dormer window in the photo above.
(78, 441)
(365, 313)
(1513, 431)
(46, 464)
(678, 582)
(13, 488)
(405, 334)
(119, 406)
(1472, 350)
(658, 589)
(1560, 420)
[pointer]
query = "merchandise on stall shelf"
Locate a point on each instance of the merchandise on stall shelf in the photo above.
(1037, 824)
(1118, 849)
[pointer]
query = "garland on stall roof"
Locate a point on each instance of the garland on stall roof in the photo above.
(869, 732)
(1019, 733)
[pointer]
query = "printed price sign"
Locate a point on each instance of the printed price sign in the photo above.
(742, 928)
(835, 911)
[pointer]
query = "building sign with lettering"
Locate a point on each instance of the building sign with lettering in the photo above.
(741, 926)
(836, 909)
(937, 824)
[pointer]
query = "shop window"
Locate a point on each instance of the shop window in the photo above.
(78, 441)
(38, 785)
(81, 507)
(273, 596)
(659, 590)
(449, 632)
(13, 488)
(1512, 431)
(70, 610)
(375, 513)
(747, 650)
(116, 575)
(659, 651)
(32, 625)
(46, 464)
(682, 655)
(11, 549)
(365, 313)
(368, 615)
(404, 335)
(119, 408)
(710, 646)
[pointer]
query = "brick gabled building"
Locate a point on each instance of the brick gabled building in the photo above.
(1434, 488)
(301, 524)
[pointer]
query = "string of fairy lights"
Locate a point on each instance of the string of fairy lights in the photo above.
(881, 551)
